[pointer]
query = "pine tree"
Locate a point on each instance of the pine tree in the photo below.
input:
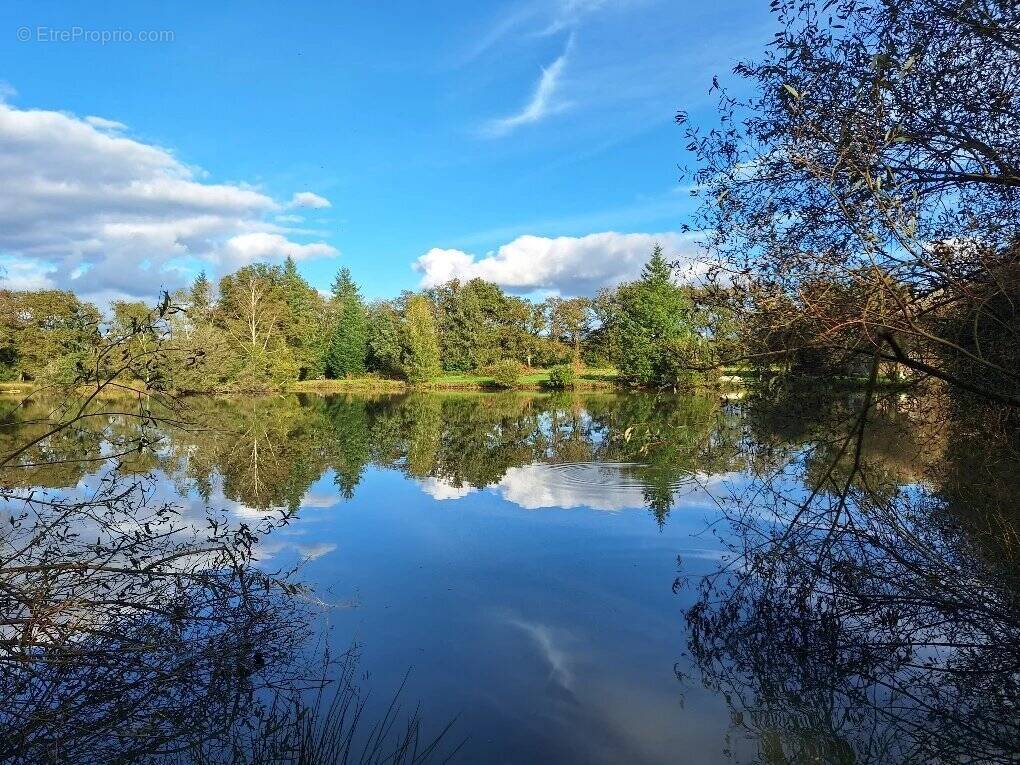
(384, 339)
(657, 271)
(421, 342)
(654, 327)
(306, 336)
(348, 342)
(200, 298)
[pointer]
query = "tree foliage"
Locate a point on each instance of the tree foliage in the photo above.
(654, 329)
(348, 341)
(872, 182)
(254, 314)
(46, 335)
(306, 337)
(264, 326)
(421, 356)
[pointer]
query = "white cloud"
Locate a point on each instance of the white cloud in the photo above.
(439, 266)
(440, 489)
(539, 485)
(317, 501)
(104, 124)
(566, 264)
(569, 13)
(23, 275)
(552, 644)
(90, 209)
(308, 199)
(542, 102)
(257, 246)
(607, 486)
(314, 551)
(535, 19)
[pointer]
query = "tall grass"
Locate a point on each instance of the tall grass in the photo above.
(326, 726)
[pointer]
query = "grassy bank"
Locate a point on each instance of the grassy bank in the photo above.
(595, 379)
(589, 379)
(126, 390)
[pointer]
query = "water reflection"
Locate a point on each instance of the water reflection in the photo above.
(606, 452)
(134, 623)
(125, 631)
(850, 592)
(861, 618)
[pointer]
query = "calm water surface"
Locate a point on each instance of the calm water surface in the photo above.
(520, 554)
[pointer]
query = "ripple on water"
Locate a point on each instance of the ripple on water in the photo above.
(611, 477)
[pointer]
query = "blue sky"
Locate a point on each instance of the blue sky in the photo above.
(467, 138)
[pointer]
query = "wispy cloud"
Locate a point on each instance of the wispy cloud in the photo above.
(569, 13)
(551, 643)
(309, 199)
(101, 123)
(544, 100)
(531, 20)
(500, 30)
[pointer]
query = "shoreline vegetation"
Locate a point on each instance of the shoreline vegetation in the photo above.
(856, 225)
(533, 380)
(600, 379)
(732, 385)
(265, 329)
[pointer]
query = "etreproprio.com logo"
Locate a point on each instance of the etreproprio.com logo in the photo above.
(76, 34)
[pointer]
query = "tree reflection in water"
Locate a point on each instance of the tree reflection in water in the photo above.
(139, 629)
(869, 611)
(269, 452)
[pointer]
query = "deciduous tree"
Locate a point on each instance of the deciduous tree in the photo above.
(421, 361)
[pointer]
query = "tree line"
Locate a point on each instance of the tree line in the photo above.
(265, 326)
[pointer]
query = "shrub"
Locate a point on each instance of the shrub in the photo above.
(685, 365)
(562, 376)
(506, 373)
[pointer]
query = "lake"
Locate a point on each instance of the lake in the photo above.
(535, 565)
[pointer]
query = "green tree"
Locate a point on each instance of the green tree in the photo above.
(348, 342)
(570, 322)
(254, 315)
(458, 322)
(654, 327)
(421, 342)
(384, 342)
(200, 298)
(305, 336)
(349, 422)
(478, 324)
(131, 320)
(516, 337)
(45, 335)
(871, 147)
(424, 434)
(602, 339)
(506, 374)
